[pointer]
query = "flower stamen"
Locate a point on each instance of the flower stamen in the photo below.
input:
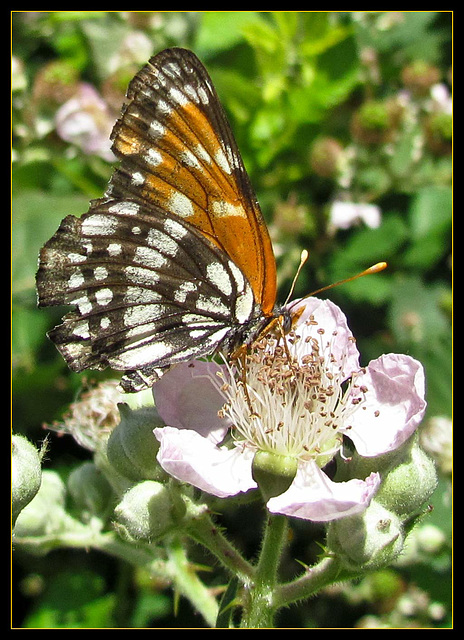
(285, 404)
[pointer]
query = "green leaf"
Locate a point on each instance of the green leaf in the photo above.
(422, 329)
(431, 211)
(36, 217)
(227, 605)
(368, 246)
(150, 607)
(430, 222)
(28, 330)
(221, 30)
(73, 601)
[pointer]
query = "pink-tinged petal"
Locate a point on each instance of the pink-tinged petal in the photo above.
(85, 120)
(336, 336)
(313, 496)
(189, 457)
(393, 407)
(186, 398)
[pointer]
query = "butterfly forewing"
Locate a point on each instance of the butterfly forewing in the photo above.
(178, 151)
(175, 260)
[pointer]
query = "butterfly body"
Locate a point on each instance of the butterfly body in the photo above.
(175, 261)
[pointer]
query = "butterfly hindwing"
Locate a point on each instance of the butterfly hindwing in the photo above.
(148, 290)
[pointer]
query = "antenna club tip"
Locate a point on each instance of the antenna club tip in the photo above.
(380, 266)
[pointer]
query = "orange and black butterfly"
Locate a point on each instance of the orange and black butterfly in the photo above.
(175, 261)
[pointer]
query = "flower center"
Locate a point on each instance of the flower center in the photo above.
(288, 405)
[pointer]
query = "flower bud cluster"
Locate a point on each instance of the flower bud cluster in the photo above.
(123, 486)
(374, 538)
(146, 509)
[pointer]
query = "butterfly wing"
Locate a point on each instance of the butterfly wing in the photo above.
(175, 260)
(178, 152)
(149, 291)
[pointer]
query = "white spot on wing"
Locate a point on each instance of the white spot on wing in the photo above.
(139, 295)
(137, 178)
(142, 314)
(81, 329)
(219, 277)
(100, 273)
(174, 229)
(181, 205)
(244, 305)
(157, 239)
(223, 208)
(238, 275)
(76, 280)
(184, 289)
(114, 249)
(140, 275)
(178, 97)
(104, 296)
(203, 95)
(222, 161)
(126, 207)
(202, 153)
(212, 305)
(105, 322)
(99, 225)
(149, 257)
(190, 159)
(83, 304)
(153, 157)
(156, 129)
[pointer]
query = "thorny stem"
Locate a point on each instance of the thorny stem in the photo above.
(259, 605)
(328, 571)
(208, 534)
(176, 569)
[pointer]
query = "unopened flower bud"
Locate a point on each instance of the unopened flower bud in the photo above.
(90, 489)
(145, 511)
(55, 83)
(132, 447)
(370, 540)
(374, 123)
(325, 156)
(410, 483)
(419, 76)
(45, 514)
(26, 474)
(439, 133)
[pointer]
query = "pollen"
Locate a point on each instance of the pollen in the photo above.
(290, 404)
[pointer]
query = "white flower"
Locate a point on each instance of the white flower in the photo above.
(344, 215)
(85, 120)
(300, 399)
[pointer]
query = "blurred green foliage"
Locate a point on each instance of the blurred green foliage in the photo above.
(327, 107)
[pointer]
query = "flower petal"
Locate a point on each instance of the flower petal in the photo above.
(313, 496)
(191, 458)
(331, 331)
(394, 404)
(186, 398)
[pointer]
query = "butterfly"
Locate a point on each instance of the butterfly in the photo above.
(175, 261)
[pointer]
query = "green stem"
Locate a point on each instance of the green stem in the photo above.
(176, 569)
(186, 581)
(204, 531)
(327, 572)
(259, 606)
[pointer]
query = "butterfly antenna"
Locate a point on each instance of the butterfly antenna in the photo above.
(380, 266)
(303, 258)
